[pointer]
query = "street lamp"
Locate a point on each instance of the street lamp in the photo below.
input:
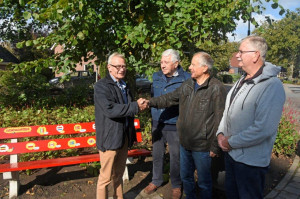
(249, 19)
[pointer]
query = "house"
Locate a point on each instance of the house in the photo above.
(234, 67)
(8, 58)
(79, 66)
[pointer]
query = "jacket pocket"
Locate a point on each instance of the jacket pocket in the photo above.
(113, 136)
(157, 89)
(203, 105)
(106, 135)
(238, 153)
(203, 133)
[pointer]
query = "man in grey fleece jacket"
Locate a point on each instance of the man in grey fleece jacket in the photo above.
(250, 120)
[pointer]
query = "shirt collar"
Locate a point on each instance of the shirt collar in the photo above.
(250, 80)
(175, 74)
(121, 82)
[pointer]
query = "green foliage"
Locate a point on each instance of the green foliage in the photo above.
(103, 70)
(226, 78)
(21, 89)
(140, 29)
(79, 95)
(92, 168)
(287, 137)
(146, 126)
(32, 90)
(221, 54)
(287, 81)
(32, 116)
(235, 77)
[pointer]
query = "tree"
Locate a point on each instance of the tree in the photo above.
(141, 29)
(27, 53)
(222, 53)
(283, 38)
(13, 32)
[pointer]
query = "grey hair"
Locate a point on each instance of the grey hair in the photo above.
(174, 55)
(259, 43)
(115, 54)
(204, 59)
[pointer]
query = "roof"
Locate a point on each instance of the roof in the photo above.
(7, 56)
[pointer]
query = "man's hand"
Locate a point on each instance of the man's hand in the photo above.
(143, 104)
(212, 154)
(223, 142)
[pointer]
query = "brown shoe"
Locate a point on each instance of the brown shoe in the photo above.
(176, 193)
(151, 188)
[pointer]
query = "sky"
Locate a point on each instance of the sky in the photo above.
(242, 28)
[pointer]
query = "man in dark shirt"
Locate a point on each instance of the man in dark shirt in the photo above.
(115, 132)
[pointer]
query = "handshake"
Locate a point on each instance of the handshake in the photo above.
(143, 104)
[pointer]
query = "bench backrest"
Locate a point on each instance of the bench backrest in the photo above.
(42, 143)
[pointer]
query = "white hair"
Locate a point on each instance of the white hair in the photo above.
(115, 54)
(259, 43)
(204, 59)
(174, 55)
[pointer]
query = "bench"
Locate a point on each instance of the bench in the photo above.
(49, 138)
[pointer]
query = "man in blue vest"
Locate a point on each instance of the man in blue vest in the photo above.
(164, 120)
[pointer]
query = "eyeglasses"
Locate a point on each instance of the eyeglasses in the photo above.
(118, 67)
(246, 51)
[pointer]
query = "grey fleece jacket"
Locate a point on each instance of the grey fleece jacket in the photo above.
(252, 119)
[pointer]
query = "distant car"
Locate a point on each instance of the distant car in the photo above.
(73, 79)
(143, 83)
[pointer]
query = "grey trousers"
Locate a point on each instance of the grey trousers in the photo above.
(159, 140)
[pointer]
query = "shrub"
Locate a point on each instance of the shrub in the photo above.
(80, 95)
(288, 136)
(33, 90)
(32, 116)
(235, 77)
(145, 121)
(22, 89)
(287, 81)
(228, 78)
(146, 126)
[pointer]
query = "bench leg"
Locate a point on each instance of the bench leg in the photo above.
(126, 175)
(14, 183)
(13, 188)
(13, 177)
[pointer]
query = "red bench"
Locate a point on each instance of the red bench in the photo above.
(42, 140)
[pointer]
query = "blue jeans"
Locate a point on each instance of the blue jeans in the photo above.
(159, 138)
(243, 181)
(189, 161)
